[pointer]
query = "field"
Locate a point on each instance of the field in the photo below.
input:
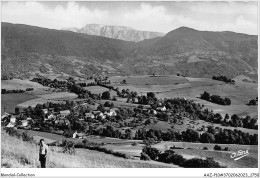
(39, 95)
(164, 87)
(19, 84)
(18, 154)
(192, 150)
(149, 80)
(99, 90)
(10, 101)
(191, 88)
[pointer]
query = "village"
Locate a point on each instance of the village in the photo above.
(82, 113)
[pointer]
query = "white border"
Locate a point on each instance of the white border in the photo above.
(133, 172)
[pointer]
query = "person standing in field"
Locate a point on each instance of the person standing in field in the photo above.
(43, 153)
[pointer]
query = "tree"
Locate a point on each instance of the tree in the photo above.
(153, 153)
(101, 108)
(217, 147)
(205, 96)
(105, 95)
(17, 111)
(207, 138)
(228, 101)
(211, 130)
(151, 95)
(144, 157)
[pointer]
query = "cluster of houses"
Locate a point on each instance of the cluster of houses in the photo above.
(59, 118)
(12, 121)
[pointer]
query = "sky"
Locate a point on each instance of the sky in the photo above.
(161, 16)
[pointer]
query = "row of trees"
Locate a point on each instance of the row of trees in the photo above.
(213, 135)
(215, 99)
(223, 78)
(253, 102)
(5, 91)
(69, 85)
(170, 157)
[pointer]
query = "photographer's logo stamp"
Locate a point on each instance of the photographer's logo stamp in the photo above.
(240, 154)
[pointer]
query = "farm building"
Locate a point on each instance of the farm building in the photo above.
(5, 115)
(62, 122)
(13, 119)
(153, 112)
(96, 112)
(45, 111)
(64, 113)
(78, 135)
(161, 108)
(25, 123)
(106, 108)
(28, 118)
(89, 115)
(102, 115)
(10, 125)
(51, 116)
(111, 112)
(51, 109)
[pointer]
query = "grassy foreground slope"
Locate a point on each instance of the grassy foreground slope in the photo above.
(16, 153)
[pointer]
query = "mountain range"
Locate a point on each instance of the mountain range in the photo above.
(30, 51)
(116, 32)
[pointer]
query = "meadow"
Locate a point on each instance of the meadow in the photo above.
(18, 154)
(99, 90)
(192, 150)
(10, 101)
(191, 88)
(15, 84)
(149, 80)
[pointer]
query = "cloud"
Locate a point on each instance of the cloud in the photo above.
(35, 13)
(149, 18)
(160, 16)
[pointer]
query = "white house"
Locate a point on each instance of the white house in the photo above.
(45, 111)
(75, 135)
(161, 108)
(24, 123)
(64, 113)
(102, 115)
(111, 112)
(153, 112)
(10, 125)
(96, 112)
(51, 116)
(89, 115)
(13, 119)
(5, 115)
(29, 119)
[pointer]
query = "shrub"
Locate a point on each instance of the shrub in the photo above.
(201, 163)
(207, 138)
(145, 157)
(169, 156)
(205, 148)
(226, 149)
(27, 138)
(12, 132)
(134, 144)
(217, 147)
(175, 147)
(68, 147)
(153, 153)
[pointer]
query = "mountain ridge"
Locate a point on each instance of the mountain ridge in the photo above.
(29, 51)
(117, 32)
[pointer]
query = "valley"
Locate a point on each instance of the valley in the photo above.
(164, 87)
(105, 96)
